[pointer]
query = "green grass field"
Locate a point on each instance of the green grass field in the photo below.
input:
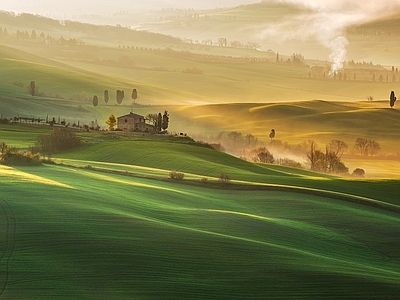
(70, 233)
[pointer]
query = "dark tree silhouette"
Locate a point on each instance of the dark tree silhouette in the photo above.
(106, 98)
(159, 122)
(392, 99)
(165, 120)
(263, 155)
(32, 88)
(134, 95)
(120, 96)
(272, 134)
(95, 100)
(361, 145)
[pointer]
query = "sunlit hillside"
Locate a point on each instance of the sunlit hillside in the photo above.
(109, 222)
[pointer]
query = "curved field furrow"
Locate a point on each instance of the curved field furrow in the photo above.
(9, 244)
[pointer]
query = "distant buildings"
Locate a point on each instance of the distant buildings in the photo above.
(134, 122)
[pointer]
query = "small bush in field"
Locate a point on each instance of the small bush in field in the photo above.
(12, 157)
(358, 173)
(224, 178)
(204, 180)
(176, 175)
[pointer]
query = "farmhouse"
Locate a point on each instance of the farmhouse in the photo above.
(134, 122)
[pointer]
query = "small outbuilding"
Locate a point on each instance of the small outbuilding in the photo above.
(134, 122)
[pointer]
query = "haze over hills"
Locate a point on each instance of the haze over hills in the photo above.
(315, 29)
(72, 61)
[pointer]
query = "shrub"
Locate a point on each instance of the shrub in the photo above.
(59, 139)
(289, 163)
(13, 157)
(204, 180)
(224, 178)
(263, 155)
(176, 175)
(358, 173)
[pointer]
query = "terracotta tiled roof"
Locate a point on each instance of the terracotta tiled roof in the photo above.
(132, 115)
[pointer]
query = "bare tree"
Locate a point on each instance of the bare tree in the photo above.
(373, 147)
(235, 137)
(361, 145)
(263, 155)
(309, 147)
(337, 147)
(251, 140)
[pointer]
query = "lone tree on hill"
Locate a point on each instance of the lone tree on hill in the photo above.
(159, 122)
(95, 100)
(120, 96)
(32, 88)
(106, 98)
(134, 95)
(272, 134)
(392, 99)
(111, 121)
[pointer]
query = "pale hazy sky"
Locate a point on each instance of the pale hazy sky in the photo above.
(108, 7)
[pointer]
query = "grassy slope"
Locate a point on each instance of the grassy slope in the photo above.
(298, 121)
(158, 156)
(89, 234)
(204, 162)
(83, 234)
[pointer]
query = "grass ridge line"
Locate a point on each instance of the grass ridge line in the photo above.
(243, 185)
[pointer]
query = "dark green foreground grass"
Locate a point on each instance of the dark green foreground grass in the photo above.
(92, 235)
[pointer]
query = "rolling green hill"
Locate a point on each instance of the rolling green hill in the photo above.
(69, 233)
(111, 225)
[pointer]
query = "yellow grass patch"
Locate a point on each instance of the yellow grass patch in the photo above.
(376, 168)
(18, 176)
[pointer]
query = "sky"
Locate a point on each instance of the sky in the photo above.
(108, 7)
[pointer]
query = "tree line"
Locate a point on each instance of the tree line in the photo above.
(326, 160)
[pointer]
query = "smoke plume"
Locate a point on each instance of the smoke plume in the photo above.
(326, 20)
